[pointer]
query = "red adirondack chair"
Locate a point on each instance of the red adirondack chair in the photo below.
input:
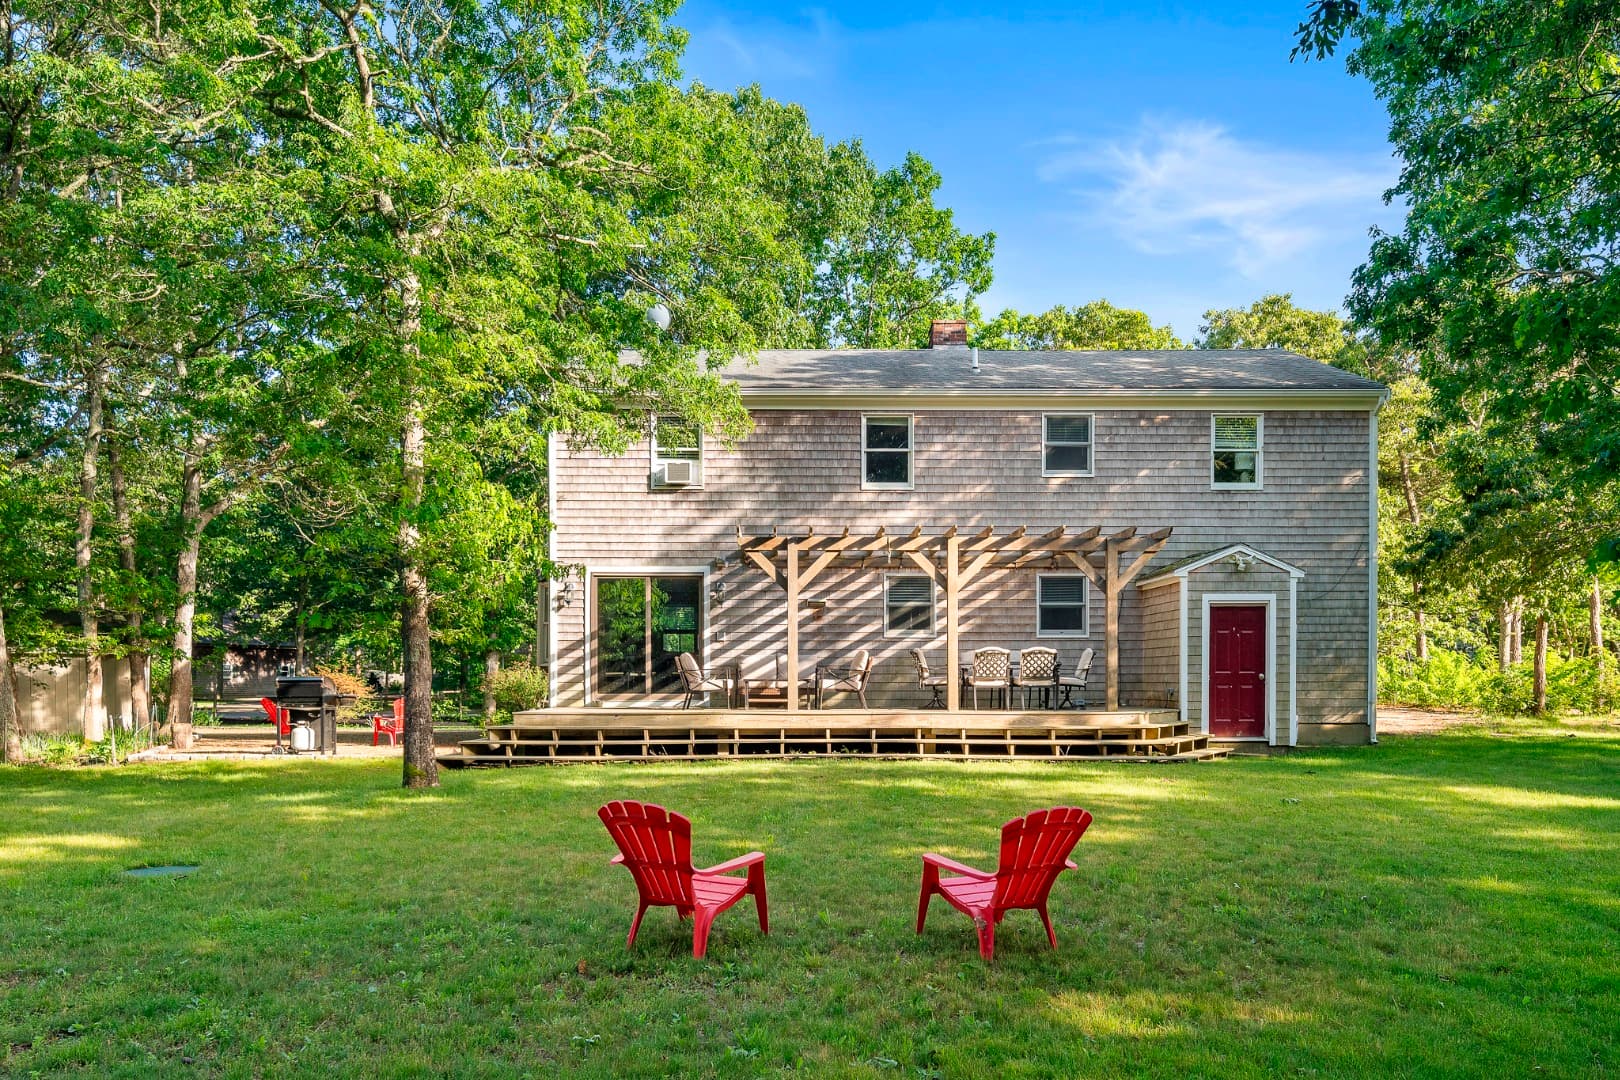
(1034, 851)
(656, 847)
(391, 725)
(278, 716)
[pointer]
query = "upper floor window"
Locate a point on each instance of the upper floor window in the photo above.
(677, 452)
(1237, 445)
(1060, 605)
(886, 451)
(908, 604)
(1066, 444)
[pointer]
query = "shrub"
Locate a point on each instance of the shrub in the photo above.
(519, 687)
(1450, 680)
(349, 684)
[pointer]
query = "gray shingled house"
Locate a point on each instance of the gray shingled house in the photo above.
(1205, 522)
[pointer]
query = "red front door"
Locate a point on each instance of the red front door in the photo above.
(1237, 671)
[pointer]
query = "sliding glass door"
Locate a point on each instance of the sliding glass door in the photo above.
(641, 625)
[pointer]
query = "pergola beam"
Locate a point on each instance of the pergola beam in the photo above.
(1126, 553)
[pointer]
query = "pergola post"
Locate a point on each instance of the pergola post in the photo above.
(953, 610)
(792, 627)
(1111, 626)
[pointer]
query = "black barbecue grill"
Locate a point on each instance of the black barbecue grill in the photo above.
(311, 700)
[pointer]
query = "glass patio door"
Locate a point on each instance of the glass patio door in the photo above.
(641, 625)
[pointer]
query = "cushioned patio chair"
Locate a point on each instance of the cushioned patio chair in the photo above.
(697, 684)
(929, 681)
(850, 680)
(1076, 681)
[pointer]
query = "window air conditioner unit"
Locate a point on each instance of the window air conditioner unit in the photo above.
(681, 473)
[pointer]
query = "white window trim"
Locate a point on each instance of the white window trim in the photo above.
(911, 451)
(1091, 446)
(933, 607)
(658, 461)
(1259, 453)
(1085, 608)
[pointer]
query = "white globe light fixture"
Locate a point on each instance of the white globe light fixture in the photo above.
(658, 315)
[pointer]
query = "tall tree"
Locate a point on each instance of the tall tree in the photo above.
(1097, 325)
(1276, 322)
(1505, 278)
(899, 263)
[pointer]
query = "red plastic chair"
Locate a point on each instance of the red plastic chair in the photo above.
(389, 724)
(656, 847)
(1034, 851)
(278, 716)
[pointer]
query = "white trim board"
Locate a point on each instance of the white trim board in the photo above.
(1180, 573)
(1372, 572)
(1235, 600)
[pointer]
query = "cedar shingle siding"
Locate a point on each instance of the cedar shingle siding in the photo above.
(978, 467)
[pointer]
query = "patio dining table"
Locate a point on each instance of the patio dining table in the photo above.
(965, 668)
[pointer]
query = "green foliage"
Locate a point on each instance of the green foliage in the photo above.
(519, 687)
(1097, 325)
(1276, 322)
(1503, 281)
(1452, 680)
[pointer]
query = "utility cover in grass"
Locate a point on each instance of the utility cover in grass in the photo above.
(161, 871)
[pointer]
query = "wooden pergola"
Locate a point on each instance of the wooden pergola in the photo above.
(953, 560)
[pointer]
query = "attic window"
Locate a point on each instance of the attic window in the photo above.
(1237, 443)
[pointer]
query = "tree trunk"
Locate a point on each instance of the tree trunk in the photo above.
(10, 732)
(492, 667)
(95, 709)
(140, 691)
(1541, 664)
(1414, 513)
(1599, 660)
(1518, 630)
(421, 765)
(185, 583)
(1504, 637)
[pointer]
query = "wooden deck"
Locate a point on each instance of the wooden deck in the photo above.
(564, 736)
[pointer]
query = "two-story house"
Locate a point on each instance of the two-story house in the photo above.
(1253, 473)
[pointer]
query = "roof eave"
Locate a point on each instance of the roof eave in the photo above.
(1114, 398)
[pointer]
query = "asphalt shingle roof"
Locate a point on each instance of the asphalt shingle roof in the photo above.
(781, 370)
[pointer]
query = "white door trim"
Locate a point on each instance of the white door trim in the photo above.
(1243, 600)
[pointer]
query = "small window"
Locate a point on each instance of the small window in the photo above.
(677, 452)
(886, 451)
(1060, 603)
(908, 604)
(1066, 445)
(676, 438)
(1237, 443)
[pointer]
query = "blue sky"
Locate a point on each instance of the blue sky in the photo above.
(1166, 156)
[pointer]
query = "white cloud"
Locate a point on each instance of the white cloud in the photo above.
(774, 48)
(1193, 186)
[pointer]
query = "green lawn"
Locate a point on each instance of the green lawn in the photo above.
(1432, 906)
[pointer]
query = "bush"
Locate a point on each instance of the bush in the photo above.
(1450, 680)
(349, 684)
(519, 687)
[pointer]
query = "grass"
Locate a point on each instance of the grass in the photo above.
(1436, 906)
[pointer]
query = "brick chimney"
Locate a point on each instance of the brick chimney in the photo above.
(943, 333)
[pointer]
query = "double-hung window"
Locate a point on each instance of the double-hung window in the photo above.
(1066, 444)
(886, 443)
(677, 452)
(1061, 605)
(1237, 443)
(908, 604)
